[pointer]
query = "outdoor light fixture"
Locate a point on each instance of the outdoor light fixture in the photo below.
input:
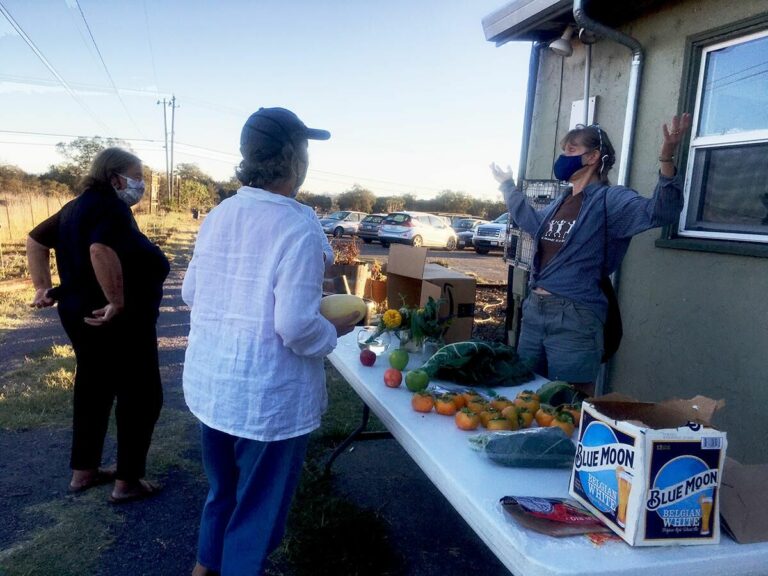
(562, 46)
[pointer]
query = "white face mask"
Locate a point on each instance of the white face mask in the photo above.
(133, 191)
(301, 174)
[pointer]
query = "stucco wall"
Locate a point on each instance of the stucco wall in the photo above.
(695, 323)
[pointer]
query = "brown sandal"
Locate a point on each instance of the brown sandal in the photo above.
(102, 476)
(147, 490)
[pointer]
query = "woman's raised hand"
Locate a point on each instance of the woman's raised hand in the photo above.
(674, 134)
(500, 174)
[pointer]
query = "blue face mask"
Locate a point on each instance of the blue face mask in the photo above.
(567, 166)
(133, 191)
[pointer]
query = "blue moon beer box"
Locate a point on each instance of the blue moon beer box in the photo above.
(651, 471)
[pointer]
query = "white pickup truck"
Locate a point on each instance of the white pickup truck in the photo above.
(491, 236)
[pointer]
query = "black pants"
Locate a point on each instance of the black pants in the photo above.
(118, 362)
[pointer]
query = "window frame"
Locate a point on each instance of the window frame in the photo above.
(698, 46)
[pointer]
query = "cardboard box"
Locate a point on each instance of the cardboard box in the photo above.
(412, 280)
(744, 503)
(651, 472)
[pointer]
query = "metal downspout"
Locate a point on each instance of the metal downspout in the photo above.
(587, 72)
(530, 97)
(630, 116)
(635, 74)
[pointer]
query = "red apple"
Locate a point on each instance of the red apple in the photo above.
(367, 358)
(393, 377)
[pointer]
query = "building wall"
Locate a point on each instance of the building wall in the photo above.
(695, 322)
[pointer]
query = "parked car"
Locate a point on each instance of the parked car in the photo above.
(454, 217)
(491, 236)
(417, 229)
(369, 227)
(465, 229)
(343, 222)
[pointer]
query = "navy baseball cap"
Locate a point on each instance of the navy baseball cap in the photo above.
(267, 129)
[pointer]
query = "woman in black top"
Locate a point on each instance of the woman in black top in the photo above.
(109, 298)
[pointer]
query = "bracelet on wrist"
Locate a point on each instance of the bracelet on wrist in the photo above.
(666, 159)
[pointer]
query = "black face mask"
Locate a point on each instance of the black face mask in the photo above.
(567, 166)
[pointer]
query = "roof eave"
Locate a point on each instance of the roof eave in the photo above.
(528, 20)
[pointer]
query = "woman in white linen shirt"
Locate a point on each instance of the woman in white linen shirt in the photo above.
(253, 372)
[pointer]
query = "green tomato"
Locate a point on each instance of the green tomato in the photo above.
(398, 359)
(416, 380)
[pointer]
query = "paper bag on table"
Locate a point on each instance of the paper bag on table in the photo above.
(744, 501)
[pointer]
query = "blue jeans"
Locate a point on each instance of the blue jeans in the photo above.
(252, 484)
(563, 340)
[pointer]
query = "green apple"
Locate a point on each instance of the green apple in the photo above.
(416, 380)
(398, 359)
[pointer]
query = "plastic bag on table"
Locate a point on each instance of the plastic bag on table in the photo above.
(530, 448)
(552, 516)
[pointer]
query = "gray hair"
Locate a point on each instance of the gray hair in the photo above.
(107, 163)
(262, 169)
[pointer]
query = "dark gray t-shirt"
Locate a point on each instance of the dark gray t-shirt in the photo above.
(559, 227)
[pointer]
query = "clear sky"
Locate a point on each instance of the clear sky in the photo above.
(414, 96)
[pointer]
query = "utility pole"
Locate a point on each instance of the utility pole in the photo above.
(167, 165)
(173, 106)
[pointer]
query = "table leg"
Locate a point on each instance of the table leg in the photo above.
(358, 433)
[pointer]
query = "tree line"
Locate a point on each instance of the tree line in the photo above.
(364, 200)
(194, 189)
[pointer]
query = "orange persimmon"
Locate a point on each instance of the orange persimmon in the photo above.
(564, 420)
(487, 414)
(525, 416)
(467, 420)
(528, 400)
(477, 405)
(544, 415)
(460, 401)
(574, 410)
(501, 402)
(445, 405)
(499, 423)
(422, 402)
(511, 414)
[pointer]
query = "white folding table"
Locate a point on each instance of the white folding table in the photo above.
(474, 485)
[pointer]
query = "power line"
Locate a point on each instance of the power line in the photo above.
(349, 176)
(73, 135)
(44, 60)
(230, 110)
(106, 69)
(316, 174)
(151, 50)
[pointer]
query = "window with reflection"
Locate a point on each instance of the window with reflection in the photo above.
(727, 171)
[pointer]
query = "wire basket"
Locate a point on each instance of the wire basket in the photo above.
(520, 245)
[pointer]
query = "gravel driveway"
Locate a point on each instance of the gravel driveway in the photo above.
(488, 269)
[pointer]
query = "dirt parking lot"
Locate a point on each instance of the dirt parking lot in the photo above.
(488, 269)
